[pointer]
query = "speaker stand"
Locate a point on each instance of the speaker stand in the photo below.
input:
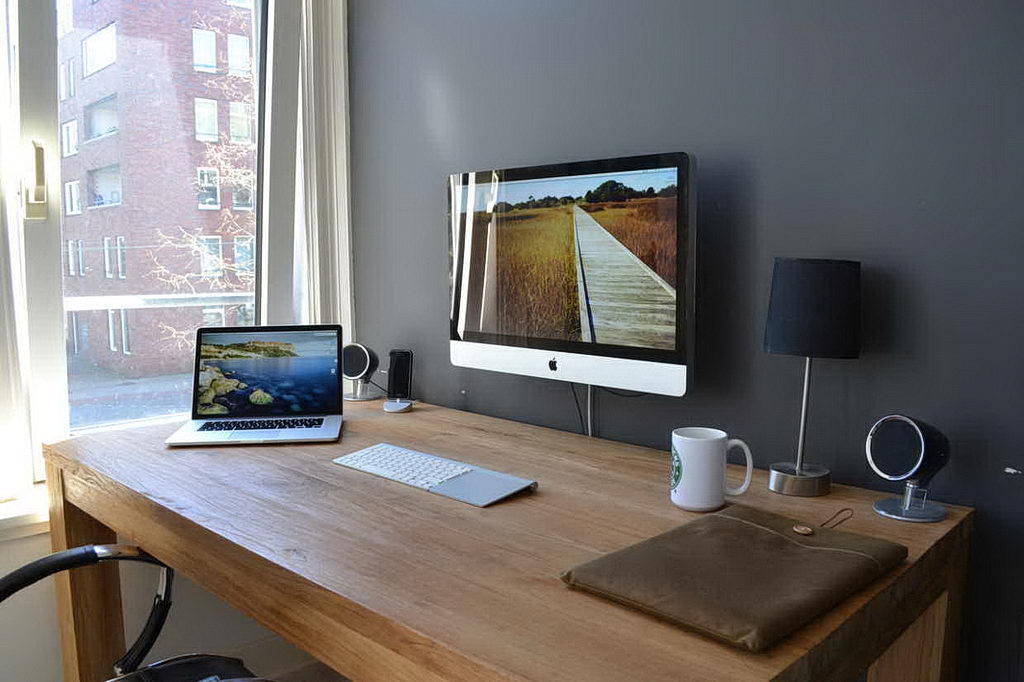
(364, 391)
(913, 506)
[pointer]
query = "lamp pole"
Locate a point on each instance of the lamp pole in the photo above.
(803, 418)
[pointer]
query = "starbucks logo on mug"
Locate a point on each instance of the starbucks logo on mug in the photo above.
(677, 469)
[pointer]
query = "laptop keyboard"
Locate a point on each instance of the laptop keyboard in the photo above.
(256, 424)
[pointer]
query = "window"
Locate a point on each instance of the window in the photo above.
(208, 193)
(126, 342)
(105, 186)
(245, 316)
(122, 259)
(246, 4)
(72, 270)
(211, 257)
(66, 79)
(101, 118)
(150, 264)
(73, 332)
(99, 50)
(72, 198)
(213, 317)
(244, 253)
(69, 137)
(238, 55)
(65, 18)
(206, 120)
(108, 258)
(204, 50)
(241, 199)
(240, 122)
(112, 330)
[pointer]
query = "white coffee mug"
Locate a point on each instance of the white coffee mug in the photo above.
(697, 480)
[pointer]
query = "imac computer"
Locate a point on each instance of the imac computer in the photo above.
(582, 272)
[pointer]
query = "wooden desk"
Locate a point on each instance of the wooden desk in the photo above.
(384, 582)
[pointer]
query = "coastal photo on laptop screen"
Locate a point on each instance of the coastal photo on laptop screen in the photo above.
(265, 374)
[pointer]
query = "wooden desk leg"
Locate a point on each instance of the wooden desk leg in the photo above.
(927, 651)
(88, 599)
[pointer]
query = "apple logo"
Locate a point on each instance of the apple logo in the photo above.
(553, 364)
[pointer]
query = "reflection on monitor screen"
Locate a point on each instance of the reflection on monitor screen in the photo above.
(260, 373)
(583, 258)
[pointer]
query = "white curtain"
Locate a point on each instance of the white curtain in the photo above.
(15, 438)
(323, 223)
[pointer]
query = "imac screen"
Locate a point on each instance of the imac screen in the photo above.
(557, 260)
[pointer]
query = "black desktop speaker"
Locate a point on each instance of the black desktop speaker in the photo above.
(358, 364)
(900, 448)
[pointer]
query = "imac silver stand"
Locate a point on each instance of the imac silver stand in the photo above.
(364, 390)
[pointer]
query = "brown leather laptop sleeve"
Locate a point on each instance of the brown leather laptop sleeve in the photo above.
(739, 575)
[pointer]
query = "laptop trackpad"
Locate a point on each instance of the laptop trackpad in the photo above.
(482, 488)
(265, 434)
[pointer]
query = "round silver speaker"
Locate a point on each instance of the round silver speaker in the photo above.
(358, 364)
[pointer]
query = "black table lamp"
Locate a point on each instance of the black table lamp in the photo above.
(814, 312)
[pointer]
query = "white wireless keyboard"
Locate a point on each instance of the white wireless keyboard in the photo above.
(403, 465)
(448, 477)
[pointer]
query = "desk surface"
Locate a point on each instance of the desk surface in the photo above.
(382, 581)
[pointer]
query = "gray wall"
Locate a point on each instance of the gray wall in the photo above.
(887, 132)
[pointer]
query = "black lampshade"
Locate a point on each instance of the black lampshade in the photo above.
(814, 309)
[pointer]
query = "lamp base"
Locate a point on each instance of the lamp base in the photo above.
(812, 481)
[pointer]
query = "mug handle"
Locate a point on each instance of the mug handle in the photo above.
(736, 442)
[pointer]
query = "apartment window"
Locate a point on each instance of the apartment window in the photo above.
(240, 122)
(99, 50)
(72, 198)
(112, 330)
(66, 79)
(245, 315)
(213, 317)
(246, 4)
(65, 18)
(126, 341)
(208, 188)
(238, 55)
(105, 186)
(81, 258)
(204, 50)
(206, 120)
(69, 137)
(241, 199)
(211, 256)
(73, 332)
(72, 270)
(122, 259)
(101, 118)
(108, 258)
(244, 260)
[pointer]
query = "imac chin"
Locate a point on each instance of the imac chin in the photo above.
(581, 272)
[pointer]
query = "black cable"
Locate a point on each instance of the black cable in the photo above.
(377, 385)
(621, 394)
(579, 411)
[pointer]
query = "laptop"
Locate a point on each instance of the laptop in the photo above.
(265, 385)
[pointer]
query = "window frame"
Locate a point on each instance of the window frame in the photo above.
(200, 185)
(126, 345)
(72, 270)
(275, 40)
(234, 69)
(203, 67)
(111, 330)
(69, 143)
(120, 250)
(246, 116)
(203, 136)
(88, 108)
(73, 207)
(108, 261)
(86, 70)
(204, 254)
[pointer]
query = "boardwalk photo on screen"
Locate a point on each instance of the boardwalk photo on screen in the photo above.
(587, 258)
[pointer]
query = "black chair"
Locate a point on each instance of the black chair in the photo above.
(178, 669)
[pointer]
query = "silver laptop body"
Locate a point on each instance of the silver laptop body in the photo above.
(275, 384)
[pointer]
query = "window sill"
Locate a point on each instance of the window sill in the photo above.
(98, 206)
(209, 208)
(100, 137)
(26, 515)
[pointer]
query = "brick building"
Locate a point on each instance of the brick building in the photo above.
(157, 132)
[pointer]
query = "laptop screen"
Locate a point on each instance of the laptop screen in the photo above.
(267, 372)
